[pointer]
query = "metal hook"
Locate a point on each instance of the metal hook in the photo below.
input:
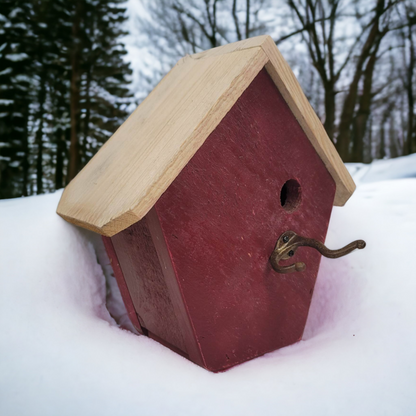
(288, 243)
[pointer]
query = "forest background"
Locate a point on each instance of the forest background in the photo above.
(72, 71)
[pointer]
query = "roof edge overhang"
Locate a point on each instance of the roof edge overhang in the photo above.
(258, 53)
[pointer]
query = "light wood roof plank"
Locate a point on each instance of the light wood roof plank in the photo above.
(131, 171)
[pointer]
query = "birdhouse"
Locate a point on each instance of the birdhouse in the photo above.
(214, 199)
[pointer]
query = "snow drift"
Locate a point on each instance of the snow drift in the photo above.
(63, 349)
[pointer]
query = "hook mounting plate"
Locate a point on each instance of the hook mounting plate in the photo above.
(289, 242)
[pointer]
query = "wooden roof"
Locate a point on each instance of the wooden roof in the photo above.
(131, 171)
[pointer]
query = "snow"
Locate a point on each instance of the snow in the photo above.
(61, 352)
(7, 70)
(4, 101)
(401, 167)
(15, 57)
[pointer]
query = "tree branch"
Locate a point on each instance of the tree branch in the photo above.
(235, 18)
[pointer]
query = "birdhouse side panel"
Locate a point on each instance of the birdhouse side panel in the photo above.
(256, 176)
(144, 278)
(121, 282)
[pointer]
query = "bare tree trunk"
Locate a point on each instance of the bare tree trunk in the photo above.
(74, 149)
(60, 157)
(25, 161)
(236, 22)
(319, 39)
(368, 147)
(382, 148)
(39, 135)
(212, 21)
(329, 123)
(363, 113)
(347, 115)
(409, 146)
(392, 137)
(87, 115)
(247, 19)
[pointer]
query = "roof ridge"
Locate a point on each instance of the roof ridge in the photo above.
(138, 163)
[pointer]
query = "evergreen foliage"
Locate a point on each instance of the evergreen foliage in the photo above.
(16, 67)
(63, 88)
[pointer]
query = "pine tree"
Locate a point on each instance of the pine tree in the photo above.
(99, 78)
(63, 89)
(59, 87)
(104, 89)
(15, 94)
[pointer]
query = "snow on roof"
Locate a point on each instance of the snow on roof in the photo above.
(133, 169)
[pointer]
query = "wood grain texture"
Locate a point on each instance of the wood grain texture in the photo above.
(133, 169)
(145, 271)
(121, 282)
(193, 351)
(291, 91)
(146, 283)
(222, 216)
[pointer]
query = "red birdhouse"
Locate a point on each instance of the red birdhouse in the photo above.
(206, 196)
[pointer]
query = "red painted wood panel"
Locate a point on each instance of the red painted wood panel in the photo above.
(131, 311)
(146, 283)
(221, 218)
(175, 293)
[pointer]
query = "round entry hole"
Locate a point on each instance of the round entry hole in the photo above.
(290, 195)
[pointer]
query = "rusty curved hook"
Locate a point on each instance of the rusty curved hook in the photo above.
(288, 243)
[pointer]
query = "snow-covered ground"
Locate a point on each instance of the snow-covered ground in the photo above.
(62, 353)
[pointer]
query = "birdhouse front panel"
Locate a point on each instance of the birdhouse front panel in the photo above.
(255, 177)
